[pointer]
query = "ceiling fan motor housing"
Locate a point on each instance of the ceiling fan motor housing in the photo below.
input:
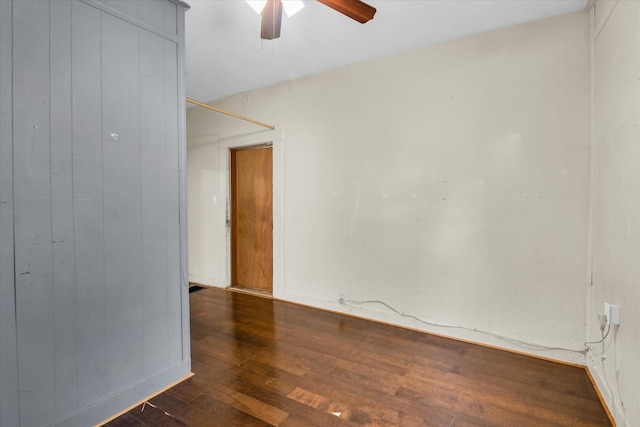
(272, 14)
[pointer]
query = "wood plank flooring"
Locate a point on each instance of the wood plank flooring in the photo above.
(260, 362)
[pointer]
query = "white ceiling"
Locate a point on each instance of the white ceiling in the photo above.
(225, 55)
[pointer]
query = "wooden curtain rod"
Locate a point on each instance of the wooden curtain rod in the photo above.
(228, 113)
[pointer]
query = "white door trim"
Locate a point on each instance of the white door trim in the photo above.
(274, 138)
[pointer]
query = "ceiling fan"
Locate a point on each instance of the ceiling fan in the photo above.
(272, 14)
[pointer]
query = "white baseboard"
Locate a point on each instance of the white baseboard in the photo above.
(116, 403)
(612, 404)
(208, 281)
(455, 333)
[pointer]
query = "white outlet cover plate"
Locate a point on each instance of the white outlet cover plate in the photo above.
(613, 313)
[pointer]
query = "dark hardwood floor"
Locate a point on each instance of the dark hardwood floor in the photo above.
(259, 362)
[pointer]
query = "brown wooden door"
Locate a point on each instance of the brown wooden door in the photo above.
(252, 218)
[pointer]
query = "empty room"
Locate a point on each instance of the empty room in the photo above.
(380, 213)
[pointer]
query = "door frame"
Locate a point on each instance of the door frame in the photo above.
(271, 138)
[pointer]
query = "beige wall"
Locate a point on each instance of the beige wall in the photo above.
(203, 216)
(616, 204)
(450, 182)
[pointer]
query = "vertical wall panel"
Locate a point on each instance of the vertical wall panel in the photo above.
(88, 206)
(176, 132)
(32, 198)
(9, 410)
(153, 12)
(176, 281)
(122, 204)
(170, 17)
(62, 211)
(179, 191)
(129, 6)
(154, 200)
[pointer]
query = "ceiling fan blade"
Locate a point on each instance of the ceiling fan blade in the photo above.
(354, 9)
(271, 20)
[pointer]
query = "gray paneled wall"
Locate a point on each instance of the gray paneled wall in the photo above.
(8, 353)
(95, 150)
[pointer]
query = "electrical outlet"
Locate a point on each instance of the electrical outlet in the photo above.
(342, 298)
(612, 312)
